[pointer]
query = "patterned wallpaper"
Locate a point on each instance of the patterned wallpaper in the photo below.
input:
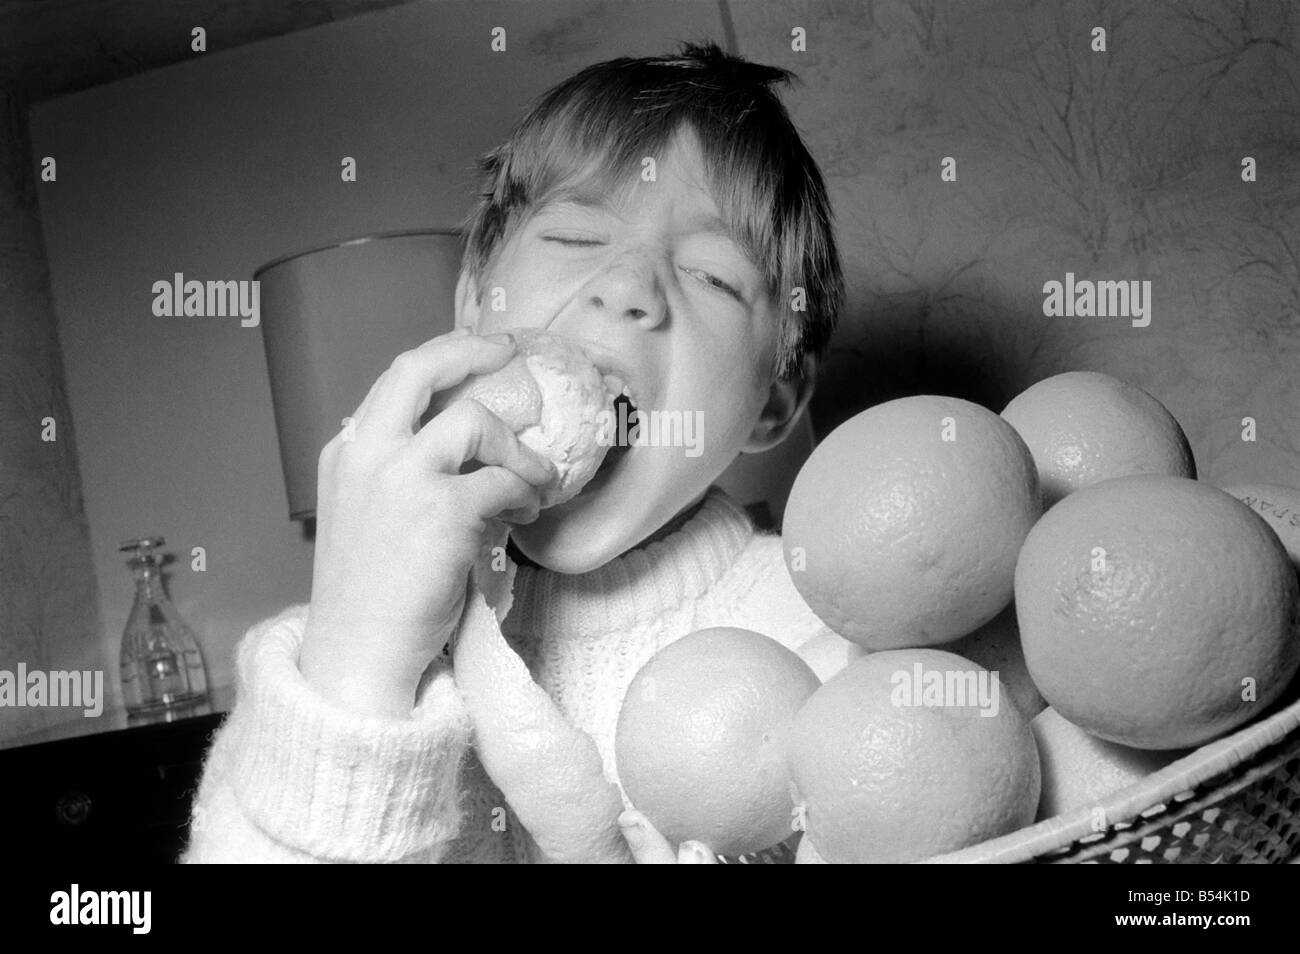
(1122, 165)
(47, 584)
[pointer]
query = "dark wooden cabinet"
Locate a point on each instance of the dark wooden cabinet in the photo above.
(119, 795)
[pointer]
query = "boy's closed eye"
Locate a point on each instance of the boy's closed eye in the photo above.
(709, 279)
(719, 284)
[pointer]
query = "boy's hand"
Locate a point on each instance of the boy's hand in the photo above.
(651, 848)
(398, 526)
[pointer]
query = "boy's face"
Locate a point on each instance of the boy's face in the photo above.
(655, 290)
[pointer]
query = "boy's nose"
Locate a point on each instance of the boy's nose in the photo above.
(631, 292)
(636, 313)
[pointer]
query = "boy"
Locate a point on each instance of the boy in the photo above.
(662, 212)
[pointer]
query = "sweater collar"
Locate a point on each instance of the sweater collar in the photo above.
(641, 585)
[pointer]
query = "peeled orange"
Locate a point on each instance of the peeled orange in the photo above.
(556, 400)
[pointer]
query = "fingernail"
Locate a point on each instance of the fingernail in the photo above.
(633, 833)
(501, 338)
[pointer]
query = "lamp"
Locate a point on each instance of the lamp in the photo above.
(334, 318)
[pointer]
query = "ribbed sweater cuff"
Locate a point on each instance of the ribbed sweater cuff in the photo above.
(333, 784)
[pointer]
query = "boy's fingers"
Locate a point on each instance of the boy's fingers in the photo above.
(401, 395)
(495, 490)
(521, 516)
(647, 845)
(467, 431)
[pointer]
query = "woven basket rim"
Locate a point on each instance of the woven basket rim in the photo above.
(1192, 771)
(1189, 805)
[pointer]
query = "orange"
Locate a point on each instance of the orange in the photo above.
(700, 742)
(510, 392)
(903, 526)
(1081, 770)
(996, 647)
(1157, 612)
(557, 402)
(887, 772)
(1083, 426)
(1280, 507)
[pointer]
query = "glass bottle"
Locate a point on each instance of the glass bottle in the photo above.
(162, 667)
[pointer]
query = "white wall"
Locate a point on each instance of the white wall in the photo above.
(218, 165)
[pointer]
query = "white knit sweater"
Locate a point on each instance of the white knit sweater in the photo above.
(293, 778)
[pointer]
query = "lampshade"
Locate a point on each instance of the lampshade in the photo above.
(334, 318)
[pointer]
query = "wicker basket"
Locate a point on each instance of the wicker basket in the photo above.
(1232, 801)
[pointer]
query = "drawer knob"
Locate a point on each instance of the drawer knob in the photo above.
(72, 807)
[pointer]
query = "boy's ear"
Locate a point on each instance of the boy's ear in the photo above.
(786, 400)
(467, 306)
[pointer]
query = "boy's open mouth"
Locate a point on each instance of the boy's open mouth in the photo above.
(623, 434)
